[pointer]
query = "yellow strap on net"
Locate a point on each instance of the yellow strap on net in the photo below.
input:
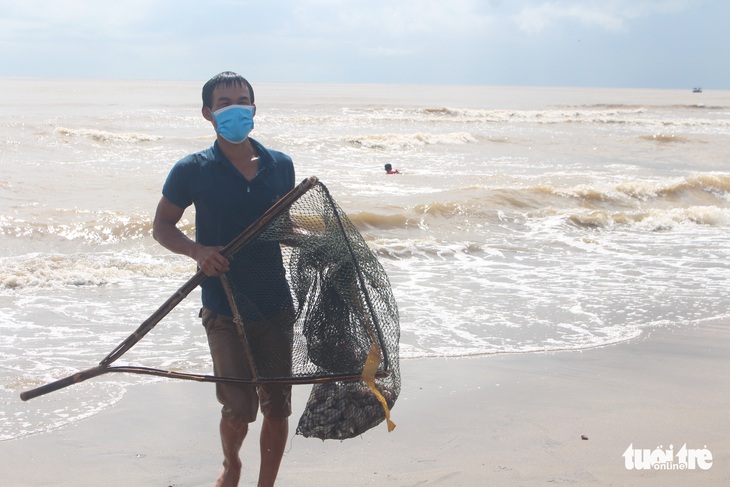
(368, 376)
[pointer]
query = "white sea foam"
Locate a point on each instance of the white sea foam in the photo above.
(406, 141)
(105, 136)
(38, 270)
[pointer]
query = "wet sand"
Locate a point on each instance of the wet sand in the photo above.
(495, 420)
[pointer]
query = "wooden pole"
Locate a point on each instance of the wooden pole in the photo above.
(242, 239)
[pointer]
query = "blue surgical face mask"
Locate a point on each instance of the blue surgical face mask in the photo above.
(234, 122)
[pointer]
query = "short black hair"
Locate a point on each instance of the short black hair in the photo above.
(226, 78)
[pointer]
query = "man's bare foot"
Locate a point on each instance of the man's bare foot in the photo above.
(230, 475)
(232, 435)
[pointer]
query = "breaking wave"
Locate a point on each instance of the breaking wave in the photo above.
(703, 199)
(365, 219)
(597, 114)
(409, 141)
(98, 228)
(698, 189)
(42, 270)
(653, 219)
(104, 136)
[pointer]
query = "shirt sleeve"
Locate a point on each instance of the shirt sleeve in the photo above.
(292, 177)
(177, 185)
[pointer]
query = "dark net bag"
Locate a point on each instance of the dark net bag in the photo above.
(314, 306)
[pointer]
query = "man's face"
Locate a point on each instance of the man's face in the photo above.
(230, 95)
(224, 96)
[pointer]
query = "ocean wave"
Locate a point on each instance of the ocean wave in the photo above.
(689, 106)
(430, 249)
(535, 116)
(42, 270)
(665, 138)
(654, 219)
(690, 116)
(93, 227)
(699, 189)
(699, 186)
(486, 203)
(699, 199)
(104, 136)
(633, 115)
(409, 141)
(366, 219)
(443, 208)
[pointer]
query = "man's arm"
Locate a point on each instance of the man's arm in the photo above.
(166, 232)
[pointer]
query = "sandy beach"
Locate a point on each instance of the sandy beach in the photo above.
(493, 420)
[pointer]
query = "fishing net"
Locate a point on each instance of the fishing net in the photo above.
(314, 305)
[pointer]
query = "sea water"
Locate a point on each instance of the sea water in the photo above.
(522, 220)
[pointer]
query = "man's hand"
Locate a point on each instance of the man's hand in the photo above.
(165, 231)
(210, 260)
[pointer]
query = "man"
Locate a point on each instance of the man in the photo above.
(231, 184)
(389, 169)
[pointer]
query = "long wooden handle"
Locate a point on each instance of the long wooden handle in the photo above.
(239, 241)
(230, 249)
(65, 382)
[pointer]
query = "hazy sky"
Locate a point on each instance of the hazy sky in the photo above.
(601, 43)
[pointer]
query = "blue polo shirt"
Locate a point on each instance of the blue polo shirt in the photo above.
(226, 203)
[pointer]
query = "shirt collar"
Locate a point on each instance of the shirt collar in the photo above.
(265, 158)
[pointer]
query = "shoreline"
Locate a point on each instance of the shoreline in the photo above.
(503, 419)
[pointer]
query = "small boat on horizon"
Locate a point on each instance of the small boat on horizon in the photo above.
(696, 90)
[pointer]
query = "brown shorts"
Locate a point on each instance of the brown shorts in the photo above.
(271, 342)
